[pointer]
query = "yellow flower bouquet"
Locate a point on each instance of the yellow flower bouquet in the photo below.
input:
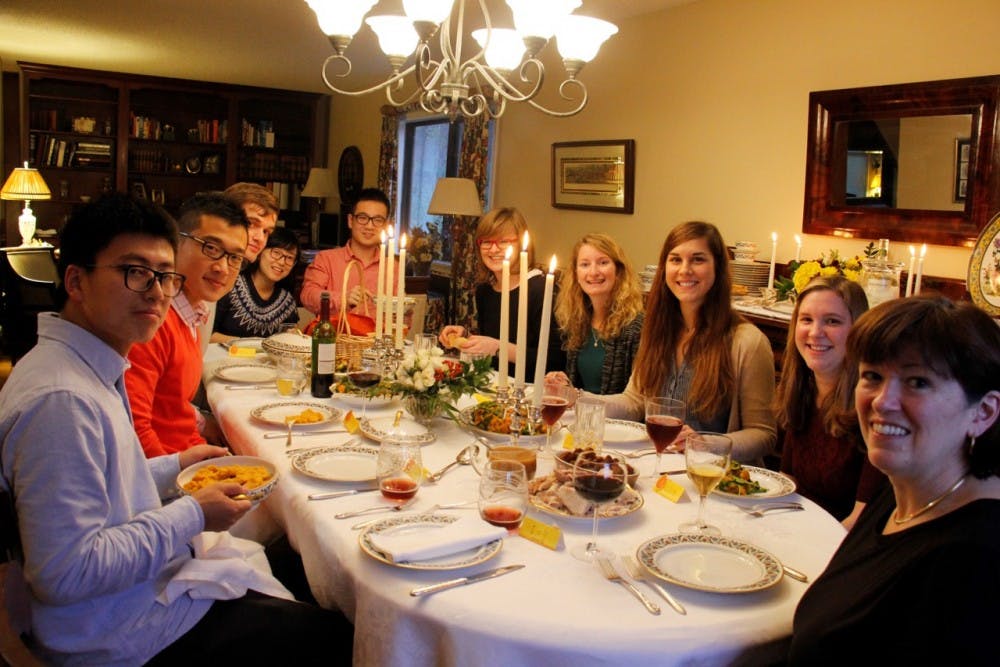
(828, 264)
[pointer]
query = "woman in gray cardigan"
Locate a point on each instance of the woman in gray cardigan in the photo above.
(599, 310)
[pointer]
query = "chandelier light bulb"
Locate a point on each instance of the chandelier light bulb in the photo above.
(504, 47)
(539, 19)
(340, 18)
(580, 37)
(432, 11)
(396, 36)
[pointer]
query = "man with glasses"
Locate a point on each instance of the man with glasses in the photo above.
(367, 220)
(98, 544)
(166, 371)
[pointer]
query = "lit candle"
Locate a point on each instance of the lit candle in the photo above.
(909, 274)
(401, 292)
(920, 269)
(391, 256)
(380, 286)
(798, 248)
(522, 315)
(774, 251)
(504, 319)
(543, 335)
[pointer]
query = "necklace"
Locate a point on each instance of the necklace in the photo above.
(593, 334)
(929, 506)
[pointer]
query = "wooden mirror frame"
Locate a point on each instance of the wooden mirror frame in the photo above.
(978, 96)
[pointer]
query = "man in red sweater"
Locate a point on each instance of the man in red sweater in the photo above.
(165, 372)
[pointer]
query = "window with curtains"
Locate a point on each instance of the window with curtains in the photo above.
(430, 148)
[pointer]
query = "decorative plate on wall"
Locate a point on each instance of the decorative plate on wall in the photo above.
(983, 280)
(350, 175)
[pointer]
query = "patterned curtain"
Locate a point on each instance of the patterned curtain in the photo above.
(473, 164)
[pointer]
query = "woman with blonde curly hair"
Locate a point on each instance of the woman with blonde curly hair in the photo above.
(599, 310)
(697, 349)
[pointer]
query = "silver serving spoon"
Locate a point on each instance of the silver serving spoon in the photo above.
(464, 458)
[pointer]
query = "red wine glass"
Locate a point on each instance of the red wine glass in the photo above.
(364, 376)
(664, 421)
(599, 479)
(556, 400)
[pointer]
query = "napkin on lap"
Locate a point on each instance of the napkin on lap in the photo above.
(437, 540)
(223, 568)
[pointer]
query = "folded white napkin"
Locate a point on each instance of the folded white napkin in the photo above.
(436, 540)
(223, 568)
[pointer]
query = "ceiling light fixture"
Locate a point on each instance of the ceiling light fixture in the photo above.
(483, 83)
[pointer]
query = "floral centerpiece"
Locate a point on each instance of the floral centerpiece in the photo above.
(827, 264)
(424, 245)
(431, 383)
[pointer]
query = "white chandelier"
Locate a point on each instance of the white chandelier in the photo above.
(482, 84)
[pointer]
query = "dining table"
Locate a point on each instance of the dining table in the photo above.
(557, 609)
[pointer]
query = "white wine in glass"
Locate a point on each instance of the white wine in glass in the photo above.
(706, 456)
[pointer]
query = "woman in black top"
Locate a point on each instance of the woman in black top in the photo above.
(497, 231)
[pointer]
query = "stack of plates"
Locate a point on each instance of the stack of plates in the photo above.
(753, 276)
(646, 277)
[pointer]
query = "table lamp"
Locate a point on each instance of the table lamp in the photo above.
(455, 196)
(25, 184)
(319, 185)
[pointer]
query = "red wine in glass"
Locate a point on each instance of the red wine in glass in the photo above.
(505, 517)
(364, 379)
(663, 430)
(399, 488)
(599, 489)
(553, 408)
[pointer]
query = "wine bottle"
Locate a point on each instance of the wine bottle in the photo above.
(324, 341)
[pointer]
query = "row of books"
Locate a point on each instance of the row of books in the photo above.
(50, 151)
(259, 134)
(212, 131)
(271, 167)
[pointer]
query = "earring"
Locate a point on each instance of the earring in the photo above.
(972, 444)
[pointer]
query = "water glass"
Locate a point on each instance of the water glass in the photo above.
(424, 342)
(399, 469)
(503, 493)
(291, 377)
(588, 431)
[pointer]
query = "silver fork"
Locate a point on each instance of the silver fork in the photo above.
(376, 508)
(611, 574)
(636, 572)
(288, 440)
(760, 510)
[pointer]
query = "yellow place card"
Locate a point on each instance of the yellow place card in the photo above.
(241, 351)
(669, 489)
(568, 442)
(535, 531)
(480, 398)
(351, 422)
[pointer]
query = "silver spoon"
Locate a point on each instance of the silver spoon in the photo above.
(288, 440)
(464, 458)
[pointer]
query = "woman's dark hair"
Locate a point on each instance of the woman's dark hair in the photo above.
(95, 226)
(284, 239)
(956, 340)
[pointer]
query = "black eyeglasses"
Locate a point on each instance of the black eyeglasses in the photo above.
(278, 256)
(213, 250)
(140, 278)
(365, 219)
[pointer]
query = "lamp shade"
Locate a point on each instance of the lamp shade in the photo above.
(455, 196)
(25, 184)
(320, 183)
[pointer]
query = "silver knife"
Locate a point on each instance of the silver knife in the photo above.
(271, 436)
(233, 387)
(338, 494)
(795, 574)
(463, 581)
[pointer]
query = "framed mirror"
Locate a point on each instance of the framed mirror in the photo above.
(915, 162)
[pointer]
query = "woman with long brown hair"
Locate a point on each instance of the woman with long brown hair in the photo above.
(599, 310)
(697, 349)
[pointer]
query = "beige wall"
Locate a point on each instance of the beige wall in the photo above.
(715, 94)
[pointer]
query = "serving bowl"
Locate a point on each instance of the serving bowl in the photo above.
(255, 494)
(565, 459)
(288, 344)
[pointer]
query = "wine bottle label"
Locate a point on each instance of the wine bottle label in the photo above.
(325, 357)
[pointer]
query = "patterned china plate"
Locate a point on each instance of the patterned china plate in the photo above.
(465, 419)
(408, 430)
(275, 413)
(561, 513)
(710, 563)
(618, 432)
(357, 402)
(346, 463)
(776, 483)
(245, 372)
(411, 522)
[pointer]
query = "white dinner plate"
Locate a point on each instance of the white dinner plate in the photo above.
(246, 372)
(413, 522)
(256, 494)
(275, 413)
(252, 343)
(357, 402)
(381, 428)
(347, 463)
(710, 563)
(620, 432)
(776, 483)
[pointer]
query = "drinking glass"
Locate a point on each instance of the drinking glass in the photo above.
(706, 456)
(599, 479)
(588, 431)
(503, 493)
(364, 376)
(399, 469)
(291, 377)
(424, 342)
(556, 399)
(664, 421)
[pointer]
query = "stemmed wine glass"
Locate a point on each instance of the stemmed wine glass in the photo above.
(706, 456)
(364, 376)
(664, 421)
(556, 400)
(599, 478)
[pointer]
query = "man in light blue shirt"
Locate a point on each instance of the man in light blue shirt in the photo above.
(98, 543)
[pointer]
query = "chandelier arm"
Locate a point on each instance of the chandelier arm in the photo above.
(422, 62)
(501, 85)
(563, 114)
(388, 83)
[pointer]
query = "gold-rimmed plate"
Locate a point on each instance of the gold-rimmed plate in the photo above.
(983, 279)
(276, 413)
(246, 372)
(776, 484)
(413, 522)
(710, 563)
(345, 463)
(614, 510)
(408, 430)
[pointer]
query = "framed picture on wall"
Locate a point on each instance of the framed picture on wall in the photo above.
(159, 196)
(139, 190)
(594, 175)
(961, 169)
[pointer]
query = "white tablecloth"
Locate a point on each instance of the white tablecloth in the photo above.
(555, 611)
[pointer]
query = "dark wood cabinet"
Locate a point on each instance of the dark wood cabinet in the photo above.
(91, 131)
